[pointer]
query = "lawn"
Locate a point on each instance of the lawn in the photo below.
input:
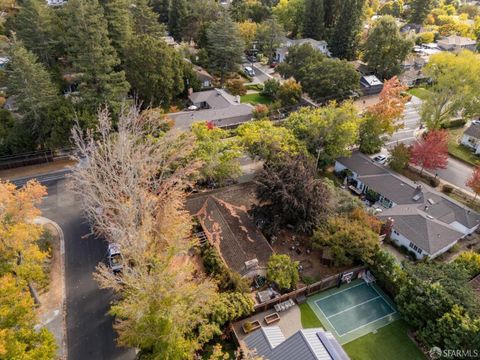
(256, 98)
(459, 151)
(390, 342)
(308, 317)
(419, 92)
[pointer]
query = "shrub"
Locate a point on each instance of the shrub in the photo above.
(261, 111)
(270, 88)
(434, 182)
(255, 87)
(457, 123)
(447, 189)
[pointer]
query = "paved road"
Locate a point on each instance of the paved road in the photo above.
(456, 172)
(90, 335)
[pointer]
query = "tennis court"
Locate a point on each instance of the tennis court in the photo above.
(353, 310)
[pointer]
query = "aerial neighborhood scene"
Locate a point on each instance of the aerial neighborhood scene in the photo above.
(239, 179)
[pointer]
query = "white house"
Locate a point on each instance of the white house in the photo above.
(457, 43)
(423, 220)
(282, 52)
(471, 138)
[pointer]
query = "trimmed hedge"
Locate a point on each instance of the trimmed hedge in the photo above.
(457, 123)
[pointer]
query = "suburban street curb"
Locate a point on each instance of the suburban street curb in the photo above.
(42, 221)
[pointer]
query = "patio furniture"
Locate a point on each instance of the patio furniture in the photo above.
(270, 319)
(284, 305)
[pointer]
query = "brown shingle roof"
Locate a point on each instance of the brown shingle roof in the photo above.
(229, 228)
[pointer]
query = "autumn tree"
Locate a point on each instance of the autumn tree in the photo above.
(350, 238)
(289, 93)
(283, 271)
(266, 141)
(470, 261)
(132, 188)
(381, 118)
(290, 194)
(218, 153)
(21, 267)
(431, 152)
(290, 14)
(19, 249)
(473, 181)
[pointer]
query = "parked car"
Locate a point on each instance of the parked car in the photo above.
(249, 71)
(114, 257)
(476, 122)
(273, 64)
(252, 58)
(380, 159)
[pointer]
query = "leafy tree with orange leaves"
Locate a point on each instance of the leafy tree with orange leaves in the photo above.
(21, 263)
(431, 152)
(474, 181)
(380, 119)
(19, 251)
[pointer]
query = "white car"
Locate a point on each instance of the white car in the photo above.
(114, 257)
(249, 71)
(476, 122)
(380, 159)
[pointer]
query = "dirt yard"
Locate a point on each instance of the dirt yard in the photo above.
(298, 248)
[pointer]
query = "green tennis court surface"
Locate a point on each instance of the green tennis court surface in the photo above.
(353, 310)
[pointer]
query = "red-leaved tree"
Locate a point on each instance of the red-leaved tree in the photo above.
(431, 152)
(473, 181)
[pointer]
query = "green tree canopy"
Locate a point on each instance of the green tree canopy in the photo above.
(154, 70)
(313, 20)
(93, 57)
(218, 153)
(386, 48)
(328, 132)
(283, 271)
(225, 46)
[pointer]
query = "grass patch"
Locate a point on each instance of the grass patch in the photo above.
(419, 92)
(308, 317)
(390, 342)
(458, 150)
(255, 99)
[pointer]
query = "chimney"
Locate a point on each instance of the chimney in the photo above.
(426, 208)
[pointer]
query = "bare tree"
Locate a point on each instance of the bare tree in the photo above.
(132, 181)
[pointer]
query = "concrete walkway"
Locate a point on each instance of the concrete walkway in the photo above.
(52, 309)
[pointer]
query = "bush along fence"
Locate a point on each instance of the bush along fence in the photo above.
(300, 295)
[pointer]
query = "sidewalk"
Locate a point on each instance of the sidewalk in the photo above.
(36, 170)
(51, 312)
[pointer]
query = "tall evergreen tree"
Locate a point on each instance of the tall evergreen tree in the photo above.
(30, 83)
(177, 17)
(93, 57)
(35, 26)
(332, 12)
(120, 24)
(314, 26)
(419, 10)
(345, 36)
(146, 20)
(162, 8)
(225, 46)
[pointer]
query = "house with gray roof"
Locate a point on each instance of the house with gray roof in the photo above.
(423, 219)
(216, 106)
(306, 344)
(282, 51)
(471, 137)
(456, 43)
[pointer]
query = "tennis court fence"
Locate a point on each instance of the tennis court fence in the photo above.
(304, 292)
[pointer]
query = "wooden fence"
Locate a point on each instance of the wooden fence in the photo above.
(308, 290)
